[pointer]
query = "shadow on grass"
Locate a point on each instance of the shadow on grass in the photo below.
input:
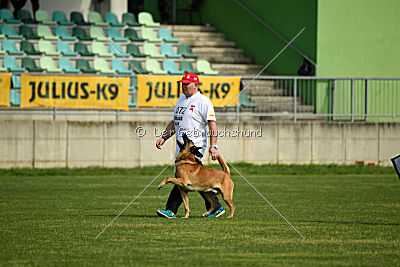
(361, 223)
(127, 215)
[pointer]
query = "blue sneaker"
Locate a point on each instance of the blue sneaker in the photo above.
(217, 213)
(166, 213)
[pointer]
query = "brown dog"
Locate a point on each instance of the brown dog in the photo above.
(192, 176)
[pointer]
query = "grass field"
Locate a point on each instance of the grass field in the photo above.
(349, 216)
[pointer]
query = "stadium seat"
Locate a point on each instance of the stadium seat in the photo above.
(98, 34)
(166, 35)
(9, 31)
(2, 69)
(146, 18)
(66, 65)
(133, 83)
(205, 67)
(150, 35)
(25, 16)
(30, 64)
(112, 19)
(115, 34)
(61, 18)
(153, 66)
(82, 49)
(29, 48)
(11, 48)
(134, 50)
(170, 66)
(133, 100)
(136, 67)
(101, 65)
(45, 32)
(77, 18)
(2, 52)
(151, 50)
(96, 19)
(27, 32)
(64, 34)
(132, 35)
(185, 51)
(65, 49)
(130, 19)
(119, 67)
(15, 98)
(11, 64)
(84, 66)
(168, 51)
(100, 50)
(244, 101)
(118, 50)
(187, 66)
(47, 48)
(48, 64)
(16, 81)
(7, 16)
(43, 17)
(81, 34)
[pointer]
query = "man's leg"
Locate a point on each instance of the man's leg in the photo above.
(174, 200)
(208, 204)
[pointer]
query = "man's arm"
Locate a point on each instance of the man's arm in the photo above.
(169, 131)
(212, 125)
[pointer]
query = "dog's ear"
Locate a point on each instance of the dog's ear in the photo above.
(186, 139)
(195, 150)
(181, 146)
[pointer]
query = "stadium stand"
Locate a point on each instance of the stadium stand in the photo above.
(130, 19)
(9, 32)
(66, 65)
(77, 18)
(7, 16)
(168, 51)
(150, 35)
(45, 33)
(81, 34)
(136, 66)
(134, 50)
(115, 34)
(43, 17)
(30, 65)
(47, 48)
(82, 49)
(48, 65)
(10, 47)
(151, 50)
(101, 65)
(96, 19)
(185, 51)
(205, 67)
(153, 66)
(146, 19)
(117, 50)
(100, 50)
(12, 65)
(25, 17)
(98, 34)
(112, 19)
(132, 35)
(29, 48)
(166, 35)
(27, 32)
(171, 67)
(61, 18)
(84, 66)
(119, 67)
(64, 34)
(65, 49)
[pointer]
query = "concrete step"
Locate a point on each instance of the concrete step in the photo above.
(197, 35)
(233, 59)
(242, 67)
(190, 28)
(282, 107)
(217, 50)
(272, 99)
(208, 43)
(263, 91)
(238, 72)
(259, 83)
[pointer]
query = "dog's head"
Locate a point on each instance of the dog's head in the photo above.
(188, 150)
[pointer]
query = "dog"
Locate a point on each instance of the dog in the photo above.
(192, 176)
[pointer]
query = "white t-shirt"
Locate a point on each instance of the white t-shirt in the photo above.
(191, 116)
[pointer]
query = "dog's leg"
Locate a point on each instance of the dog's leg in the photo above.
(210, 198)
(177, 181)
(227, 193)
(185, 199)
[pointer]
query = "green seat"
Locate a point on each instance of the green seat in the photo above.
(146, 18)
(82, 49)
(133, 99)
(129, 18)
(168, 51)
(26, 17)
(84, 66)
(187, 66)
(134, 50)
(64, 34)
(29, 48)
(30, 64)
(11, 64)
(112, 19)
(170, 66)
(45, 32)
(98, 34)
(151, 50)
(9, 31)
(15, 98)
(185, 51)
(132, 35)
(81, 34)
(2, 69)
(117, 50)
(27, 32)
(61, 18)
(65, 49)
(115, 34)
(100, 50)
(166, 35)
(96, 19)
(153, 66)
(136, 66)
(150, 35)
(2, 52)
(7, 16)
(119, 67)
(43, 17)
(205, 67)
(48, 64)
(133, 83)
(16, 81)
(101, 65)
(66, 65)
(47, 48)
(244, 101)
(77, 18)
(11, 47)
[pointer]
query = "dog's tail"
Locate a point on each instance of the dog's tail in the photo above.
(223, 165)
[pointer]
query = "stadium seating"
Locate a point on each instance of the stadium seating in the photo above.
(96, 19)
(112, 19)
(29, 48)
(45, 32)
(2, 52)
(11, 48)
(81, 48)
(65, 49)
(153, 66)
(132, 35)
(134, 50)
(61, 18)
(7, 16)
(47, 48)
(115, 34)
(66, 65)
(117, 50)
(77, 18)
(133, 100)
(81, 34)
(100, 50)
(151, 50)
(43, 17)
(136, 66)
(25, 16)
(244, 101)
(133, 83)
(9, 31)
(15, 98)
(170, 66)
(205, 67)
(12, 65)
(129, 19)
(30, 65)
(101, 65)
(48, 64)
(185, 51)
(27, 32)
(166, 35)
(150, 35)
(187, 66)
(119, 67)
(64, 34)
(84, 66)
(2, 69)
(16, 81)
(168, 51)
(98, 34)
(146, 19)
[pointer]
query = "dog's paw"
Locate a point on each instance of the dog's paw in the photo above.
(160, 186)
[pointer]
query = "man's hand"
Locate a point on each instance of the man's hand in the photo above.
(213, 152)
(160, 142)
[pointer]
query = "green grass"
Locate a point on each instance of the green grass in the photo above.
(349, 216)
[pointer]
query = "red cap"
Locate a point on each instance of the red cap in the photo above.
(190, 77)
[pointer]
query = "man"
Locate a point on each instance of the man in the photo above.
(193, 112)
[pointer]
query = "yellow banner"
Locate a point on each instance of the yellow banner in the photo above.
(5, 85)
(74, 91)
(166, 90)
